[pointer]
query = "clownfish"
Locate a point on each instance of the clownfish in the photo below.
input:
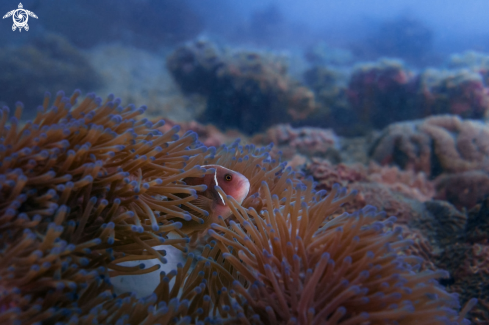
(231, 182)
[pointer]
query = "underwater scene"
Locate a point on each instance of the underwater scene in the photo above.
(244, 162)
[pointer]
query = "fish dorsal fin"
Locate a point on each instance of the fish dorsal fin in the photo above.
(217, 184)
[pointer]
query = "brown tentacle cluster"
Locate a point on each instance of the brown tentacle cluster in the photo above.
(293, 265)
(85, 187)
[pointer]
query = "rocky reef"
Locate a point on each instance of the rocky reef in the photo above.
(239, 86)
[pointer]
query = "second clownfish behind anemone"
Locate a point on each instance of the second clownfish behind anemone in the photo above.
(231, 182)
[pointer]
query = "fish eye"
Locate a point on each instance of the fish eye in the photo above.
(228, 177)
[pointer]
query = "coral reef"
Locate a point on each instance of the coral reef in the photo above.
(383, 92)
(458, 92)
(393, 203)
(467, 259)
(308, 141)
(413, 185)
(194, 66)
(471, 60)
(48, 62)
(478, 223)
(445, 147)
(379, 93)
(435, 145)
(239, 86)
(442, 223)
(373, 180)
(403, 145)
(468, 59)
(85, 187)
(443, 236)
(328, 174)
(468, 265)
(332, 106)
(398, 193)
(301, 144)
(465, 189)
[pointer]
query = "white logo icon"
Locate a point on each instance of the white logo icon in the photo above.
(20, 16)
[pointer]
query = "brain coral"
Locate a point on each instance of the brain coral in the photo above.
(87, 186)
(437, 144)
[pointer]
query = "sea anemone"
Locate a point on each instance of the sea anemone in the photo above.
(85, 187)
(294, 266)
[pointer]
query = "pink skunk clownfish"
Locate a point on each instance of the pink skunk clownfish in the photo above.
(231, 182)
